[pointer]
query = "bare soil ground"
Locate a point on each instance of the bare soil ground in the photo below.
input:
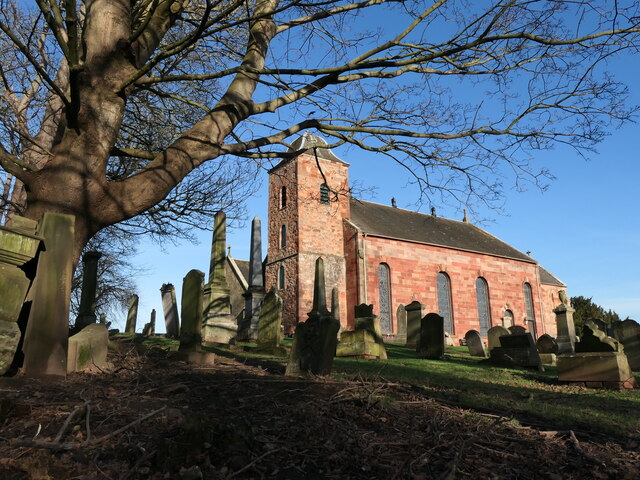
(149, 417)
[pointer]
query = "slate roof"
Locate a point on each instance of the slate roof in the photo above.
(390, 222)
(243, 266)
(548, 279)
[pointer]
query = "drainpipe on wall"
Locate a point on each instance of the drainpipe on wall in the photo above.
(364, 268)
(544, 327)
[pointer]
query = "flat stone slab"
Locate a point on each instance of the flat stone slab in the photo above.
(594, 367)
(548, 358)
(88, 348)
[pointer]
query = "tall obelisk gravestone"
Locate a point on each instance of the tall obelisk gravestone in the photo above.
(255, 294)
(218, 326)
(87, 309)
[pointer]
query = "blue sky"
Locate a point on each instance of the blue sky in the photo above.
(585, 228)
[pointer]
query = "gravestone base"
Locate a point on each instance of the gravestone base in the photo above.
(515, 357)
(595, 368)
(88, 348)
(358, 343)
(275, 350)
(195, 358)
(548, 358)
(219, 330)
(9, 339)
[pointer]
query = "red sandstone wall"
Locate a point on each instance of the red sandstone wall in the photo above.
(550, 300)
(414, 268)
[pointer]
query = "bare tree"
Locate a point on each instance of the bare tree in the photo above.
(99, 96)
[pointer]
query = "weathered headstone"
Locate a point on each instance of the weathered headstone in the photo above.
(248, 330)
(132, 314)
(414, 319)
(47, 335)
(473, 340)
(270, 321)
(566, 336)
(87, 309)
(315, 341)
(431, 342)
(599, 361)
(517, 350)
(401, 318)
(219, 324)
(548, 349)
(629, 332)
(366, 340)
(598, 322)
(88, 348)
(494, 334)
(547, 344)
(18, 246)
(191, 312)
(150, 328)
(517, 330)
(170, 310)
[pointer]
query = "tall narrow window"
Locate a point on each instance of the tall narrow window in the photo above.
(283, 197)
(484, 310)
(281, 277)
(324, 194)
(283, 236)
(384, 289)
(444, 301)
(528, 303)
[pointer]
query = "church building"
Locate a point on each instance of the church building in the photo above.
(387, 256)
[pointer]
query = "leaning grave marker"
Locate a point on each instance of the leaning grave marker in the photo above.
(473, 340)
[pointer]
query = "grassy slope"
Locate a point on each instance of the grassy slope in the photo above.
(529, 396)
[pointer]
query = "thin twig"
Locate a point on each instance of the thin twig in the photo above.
(251, 464)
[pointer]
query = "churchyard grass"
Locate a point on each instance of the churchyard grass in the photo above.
(528, 396)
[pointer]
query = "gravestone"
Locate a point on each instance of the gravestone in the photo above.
(19, 245)
(548, 349)
(88, 348)
(414, 319)
(494, 334)
(150, 328)
(474, 342)
(87, 309)
(566, 336)
(547, 344)
(191, 312)
(366, 340)
(616, 329)
(516, 350)
(599, 361)
(517, 330)
(132, 314)
(595, 340)
(431, 342)
(255, 294)
(629, 332)
(600, 324)
(170, 310)
(401, 318)
(219, 324)
(270, 321)
(315, 341)
(47, 334)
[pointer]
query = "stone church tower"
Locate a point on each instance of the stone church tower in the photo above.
(308, 200)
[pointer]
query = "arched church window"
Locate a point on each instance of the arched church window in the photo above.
(324, 193)
(384, 290)
(528, 303)
(281, 277)
(283, 197)
(283, 236)
(484, 310)
(445, 308)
